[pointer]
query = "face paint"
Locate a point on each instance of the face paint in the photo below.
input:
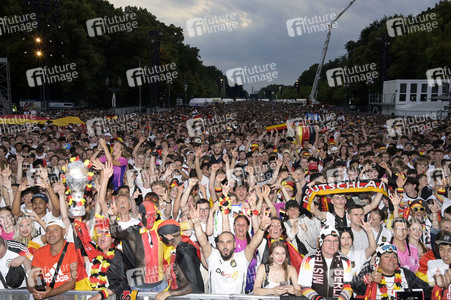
(149, 219)
(103, 231)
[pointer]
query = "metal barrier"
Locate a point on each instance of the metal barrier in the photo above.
(23, 294)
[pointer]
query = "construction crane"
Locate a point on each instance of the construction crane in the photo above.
(312, 96)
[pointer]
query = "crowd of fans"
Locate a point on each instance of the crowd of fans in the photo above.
(220, 207)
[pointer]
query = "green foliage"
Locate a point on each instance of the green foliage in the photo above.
(62, 28)
(406, 57)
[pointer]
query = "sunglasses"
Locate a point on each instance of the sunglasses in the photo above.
(389, 248)
(415, 209)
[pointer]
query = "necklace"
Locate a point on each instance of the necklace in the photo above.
(382, 286)
(100, 266)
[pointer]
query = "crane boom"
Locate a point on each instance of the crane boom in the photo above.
(323, 54)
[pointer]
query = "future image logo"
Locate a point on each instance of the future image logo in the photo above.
(21, 23)
(48, 75)
(109, 25)
(348, 75)
(146, 75)
(124, 123)
(198, 126)
(409, 125)
(249, 75)
(407, 25)
(438, 76)
(210, 25)
(307, 25)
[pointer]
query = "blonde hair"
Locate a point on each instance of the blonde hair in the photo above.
(17, 237)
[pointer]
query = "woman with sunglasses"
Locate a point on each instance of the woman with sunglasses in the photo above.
(407, 253)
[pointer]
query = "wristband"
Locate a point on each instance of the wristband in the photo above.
(441, 191)
(400, 190)
(104, 294)
(263, 229)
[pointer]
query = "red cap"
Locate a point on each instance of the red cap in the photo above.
(312, 166)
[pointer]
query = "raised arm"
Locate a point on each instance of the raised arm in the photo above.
(258, 237)
(320, 215)
(369, 232)
(54, 199)
(108, 156)
(198, 154)
(373, 205)
(19, 168)
(142, 139)
(200, 234)
(7, 190)
(176, 207)
(106, 174)
(191, 183)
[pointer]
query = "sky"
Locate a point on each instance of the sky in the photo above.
(260, 37)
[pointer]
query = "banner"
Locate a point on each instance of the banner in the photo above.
(24, 119)
(341, 188)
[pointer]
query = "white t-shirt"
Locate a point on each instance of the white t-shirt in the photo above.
(385, 236)
(358, 259)
(360, 240)
(227, 277)
(47, 218)
(24, 209)
(129, 223)
(4, 265)
(433, 265)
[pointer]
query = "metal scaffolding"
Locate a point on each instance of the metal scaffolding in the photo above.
(5, 87)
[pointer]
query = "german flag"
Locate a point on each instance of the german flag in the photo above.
(277, 127)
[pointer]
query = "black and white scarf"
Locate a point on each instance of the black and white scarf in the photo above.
(322, 275)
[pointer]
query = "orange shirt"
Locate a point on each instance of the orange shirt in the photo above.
(47, 262)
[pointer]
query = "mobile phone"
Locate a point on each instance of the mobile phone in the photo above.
(283, 283)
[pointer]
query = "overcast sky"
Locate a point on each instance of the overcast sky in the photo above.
(260, 35)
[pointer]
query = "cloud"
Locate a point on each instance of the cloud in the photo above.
(262, 35)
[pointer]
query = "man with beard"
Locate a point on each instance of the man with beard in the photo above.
(143, 249)
(228, 269)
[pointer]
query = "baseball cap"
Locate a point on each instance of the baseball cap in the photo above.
(445, 239)
(312, 166)
(58, 222)
(326, 231)
(40, 196)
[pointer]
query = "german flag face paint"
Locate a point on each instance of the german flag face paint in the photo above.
(150, 218)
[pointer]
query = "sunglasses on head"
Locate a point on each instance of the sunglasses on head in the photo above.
(389, 248)
(415, 209)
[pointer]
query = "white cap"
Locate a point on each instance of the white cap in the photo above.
(58, 222)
